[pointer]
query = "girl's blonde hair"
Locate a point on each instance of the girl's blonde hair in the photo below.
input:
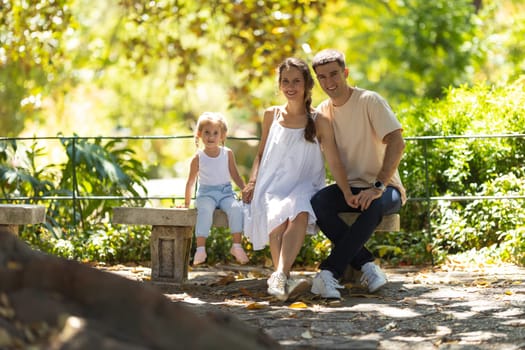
(208, 118)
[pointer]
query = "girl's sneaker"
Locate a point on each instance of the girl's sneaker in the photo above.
(240, 255)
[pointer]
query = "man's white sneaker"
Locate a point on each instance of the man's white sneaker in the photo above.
(325, 284)
(277, 285)
(372, 277)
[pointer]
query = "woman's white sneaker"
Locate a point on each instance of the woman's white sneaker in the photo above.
(277, 286)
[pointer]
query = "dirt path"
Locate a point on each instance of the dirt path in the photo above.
(421, 308)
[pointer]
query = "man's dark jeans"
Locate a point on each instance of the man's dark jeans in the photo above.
(348, 241)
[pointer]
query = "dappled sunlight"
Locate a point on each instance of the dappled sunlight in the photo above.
(419, 306)
(388, 311)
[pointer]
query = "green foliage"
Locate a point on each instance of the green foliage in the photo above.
(19, 174)
(31, 43)
(102, 243)
(458, 166)
(482, 223)
(407, 48)
(98, 168)
(314, 250)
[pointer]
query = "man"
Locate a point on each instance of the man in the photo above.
(370, 142)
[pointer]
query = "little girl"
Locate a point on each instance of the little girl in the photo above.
(214, 165)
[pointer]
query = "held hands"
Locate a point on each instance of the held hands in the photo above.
(247, 192)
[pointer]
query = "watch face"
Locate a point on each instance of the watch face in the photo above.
(378, 184)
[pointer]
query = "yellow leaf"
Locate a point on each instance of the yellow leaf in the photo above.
(298, 305)
(508, 292)
(481, 282)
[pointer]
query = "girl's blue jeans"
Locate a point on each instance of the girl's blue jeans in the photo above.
(348, 242)
(214, 197)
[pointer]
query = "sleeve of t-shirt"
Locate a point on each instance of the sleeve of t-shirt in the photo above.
(381, 115)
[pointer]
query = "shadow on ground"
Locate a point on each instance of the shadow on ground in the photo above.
(420, 308)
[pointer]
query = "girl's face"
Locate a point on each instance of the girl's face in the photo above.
(292, 84)
(211, 135)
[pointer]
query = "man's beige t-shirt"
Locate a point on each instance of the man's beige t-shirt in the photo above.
(359, 127)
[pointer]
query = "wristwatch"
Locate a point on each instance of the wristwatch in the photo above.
(380, 186)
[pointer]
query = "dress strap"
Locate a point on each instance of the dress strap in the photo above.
(276, 112)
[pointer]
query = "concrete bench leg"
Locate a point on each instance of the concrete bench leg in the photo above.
(170, 253)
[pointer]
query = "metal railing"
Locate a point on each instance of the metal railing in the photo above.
(425, 140)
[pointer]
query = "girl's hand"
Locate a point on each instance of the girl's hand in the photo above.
(247, 192)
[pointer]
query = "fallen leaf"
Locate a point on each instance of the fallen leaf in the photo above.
(298, 305)
(225, 280)
(481, 283)
(509, 292)
(306, 335)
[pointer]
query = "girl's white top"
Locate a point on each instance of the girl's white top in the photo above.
(214, 170)
(290, 173)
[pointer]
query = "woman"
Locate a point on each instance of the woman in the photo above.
(287, 171)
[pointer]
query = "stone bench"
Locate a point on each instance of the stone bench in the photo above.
(14, 215)
(172, 233)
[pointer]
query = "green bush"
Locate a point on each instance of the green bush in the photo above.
(483, 223)
(103, 243)
(461, 166)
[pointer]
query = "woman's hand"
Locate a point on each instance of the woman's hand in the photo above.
(247, 192)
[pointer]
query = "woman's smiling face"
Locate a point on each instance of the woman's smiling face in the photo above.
(292, 84)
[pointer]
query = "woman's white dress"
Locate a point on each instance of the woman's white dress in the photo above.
(290, 173)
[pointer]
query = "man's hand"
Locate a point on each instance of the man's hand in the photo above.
(351, 199)
(365, 197)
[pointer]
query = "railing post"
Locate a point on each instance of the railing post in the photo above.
(74, 176)
(427, 190)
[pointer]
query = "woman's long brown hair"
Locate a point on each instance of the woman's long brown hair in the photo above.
(309, 130)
